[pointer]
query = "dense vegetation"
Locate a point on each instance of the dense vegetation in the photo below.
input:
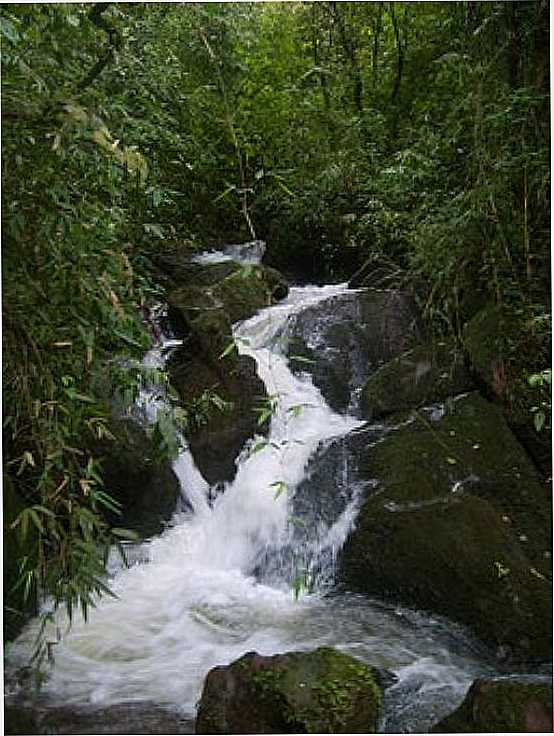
(416, 134)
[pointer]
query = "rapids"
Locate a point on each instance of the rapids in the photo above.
(196, 596)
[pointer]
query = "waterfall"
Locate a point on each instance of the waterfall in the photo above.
(197, 595)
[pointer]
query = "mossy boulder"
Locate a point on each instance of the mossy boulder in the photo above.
(145, 485)
(503, 349)
(238, 290)
(422, 375)
(484, 335)
(222, 293)
(503, 705)
(217, 439)
(459, 525)
(323, 691)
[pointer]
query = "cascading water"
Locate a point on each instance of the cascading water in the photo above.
(219, 581)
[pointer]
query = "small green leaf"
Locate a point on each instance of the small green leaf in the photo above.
(451, 461)
(127, 534)
(260, 445)
(279, 486)
(230, 347)
(8, 30)
(230, 188)
(539, 419)
(302, 359)
(151, 228)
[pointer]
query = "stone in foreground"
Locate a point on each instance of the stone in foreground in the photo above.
(323, 691)
(503, 705)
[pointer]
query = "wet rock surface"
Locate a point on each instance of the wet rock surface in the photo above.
(503, 705)
(348, 337)
(212, 296)
(125, 718)
(323, 691)
(458, 524)
(216, 442)
(421, 376)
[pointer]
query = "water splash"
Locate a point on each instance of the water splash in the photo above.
(192, 600)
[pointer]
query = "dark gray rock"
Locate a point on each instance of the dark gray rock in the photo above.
(124, 718)
(145, 485)
(421, 376)
(349, 336)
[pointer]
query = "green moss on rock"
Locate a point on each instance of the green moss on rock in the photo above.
(460, 526)
(502, 705)
(483, 342)
(422, 375)
(239, 292)
(323, 691)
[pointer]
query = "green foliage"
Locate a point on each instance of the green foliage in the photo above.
(542, 384)
(70, 295)
(418, 132)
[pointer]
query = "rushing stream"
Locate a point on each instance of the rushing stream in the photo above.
(218, 583)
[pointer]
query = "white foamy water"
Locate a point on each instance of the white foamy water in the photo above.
(192, 603)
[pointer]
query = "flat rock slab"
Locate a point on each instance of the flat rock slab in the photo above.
(124, 718)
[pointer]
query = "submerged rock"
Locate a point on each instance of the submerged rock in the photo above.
(323, 691)
(458, 525)
(503, 705)
(419, 377)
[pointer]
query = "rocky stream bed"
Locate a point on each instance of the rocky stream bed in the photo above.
(350, 562)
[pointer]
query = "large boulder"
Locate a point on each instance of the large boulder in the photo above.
(323, 691)
(502, 370)
(503, 705)
(458, 524)
(348, 336)
(422, 375)
(217, 436)
(208, 364)
(145, 485)
(239, 290)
